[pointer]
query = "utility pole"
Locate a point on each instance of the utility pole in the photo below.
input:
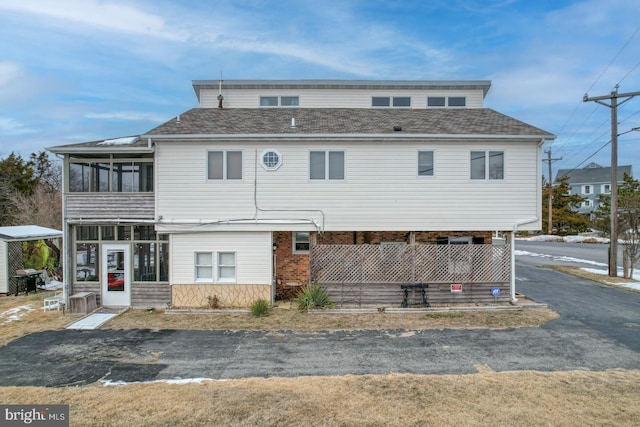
(549, 160)
(614, 103)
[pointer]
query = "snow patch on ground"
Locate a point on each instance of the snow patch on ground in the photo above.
(109, 383)
(568, 239)
(14, 314)
(605, 272)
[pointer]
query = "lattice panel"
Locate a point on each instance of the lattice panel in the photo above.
(409, 263)
(197, 296)
(14, 262)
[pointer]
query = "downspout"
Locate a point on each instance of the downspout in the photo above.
(513, 255)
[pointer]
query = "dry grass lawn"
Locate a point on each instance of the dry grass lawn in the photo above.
(600, 278)
(581, 398)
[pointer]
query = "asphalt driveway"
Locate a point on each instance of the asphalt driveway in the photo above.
(600, 331)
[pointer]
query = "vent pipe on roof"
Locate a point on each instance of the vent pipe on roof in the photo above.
(293, 122)
(397, 128)
(178, 118)
(220, 97)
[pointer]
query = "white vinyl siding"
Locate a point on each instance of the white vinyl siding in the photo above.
(380, 191)
(252, 256)
(333, 98)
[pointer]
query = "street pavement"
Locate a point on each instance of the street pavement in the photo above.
(599, 329)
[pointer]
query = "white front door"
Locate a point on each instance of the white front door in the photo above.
(116, 275)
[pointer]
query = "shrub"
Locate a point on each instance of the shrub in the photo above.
(260, 308)
(313, 297)
(213, 301)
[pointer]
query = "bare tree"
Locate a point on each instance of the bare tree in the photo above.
(629, 222)
(43, 207)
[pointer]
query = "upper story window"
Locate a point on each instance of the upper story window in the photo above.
(436, 101)
(587, 189)
(487, 161)
(425, 163)
(224, 165)
(606, 189)
(279, 101)
(326, 165)
(110, 175)
(450, 101)
(271, 159)
(456, 101)
(587, 203)
(391, 101)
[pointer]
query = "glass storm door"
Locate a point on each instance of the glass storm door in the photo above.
(116, 275)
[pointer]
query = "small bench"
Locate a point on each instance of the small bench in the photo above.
(413, 287)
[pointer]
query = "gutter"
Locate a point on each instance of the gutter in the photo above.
(513, 255)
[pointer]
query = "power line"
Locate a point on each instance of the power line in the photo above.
(614, 58)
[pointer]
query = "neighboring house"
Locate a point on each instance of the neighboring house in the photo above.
(590, 182)
(360, 186)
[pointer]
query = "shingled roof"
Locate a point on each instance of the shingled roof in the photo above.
(593, 175)
(337, 121)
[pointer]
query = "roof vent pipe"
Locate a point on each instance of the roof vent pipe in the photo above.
(293, 122)
(178, 118)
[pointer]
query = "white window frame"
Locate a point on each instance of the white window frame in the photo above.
(487, 165)
(457, 97)
(606, 189)
(279, 101)
(220, 266)
(446, 103)
(391, 101)
(327, 154)
(197, 267)
(433, 164)
(225, 168)
(295, 242)
(267, 166)
(587, 189)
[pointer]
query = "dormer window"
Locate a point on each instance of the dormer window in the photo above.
(391, 101)
(446, 101)
(279, 101)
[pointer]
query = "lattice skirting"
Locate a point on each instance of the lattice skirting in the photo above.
(203, 295)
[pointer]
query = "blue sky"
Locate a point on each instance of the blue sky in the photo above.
(82, 70)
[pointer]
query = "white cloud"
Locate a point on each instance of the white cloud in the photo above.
(10, 126)
(98, 14)
(128, 116)
(9, 71)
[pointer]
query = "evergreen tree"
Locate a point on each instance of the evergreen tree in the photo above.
(566, 219)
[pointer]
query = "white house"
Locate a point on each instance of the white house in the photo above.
(360, 186)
